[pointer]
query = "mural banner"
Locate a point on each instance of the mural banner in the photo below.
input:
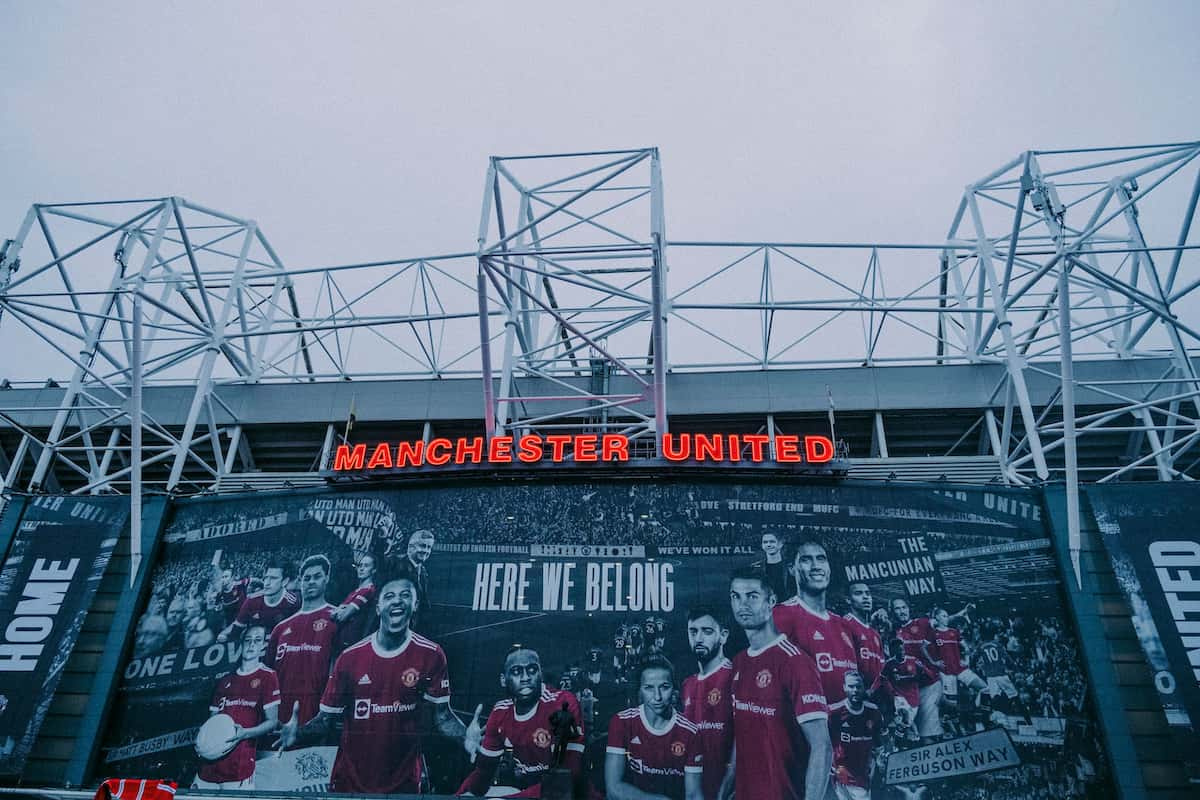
(448, 640)
(49, 578)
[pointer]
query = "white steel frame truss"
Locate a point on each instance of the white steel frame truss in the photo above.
(564, 304)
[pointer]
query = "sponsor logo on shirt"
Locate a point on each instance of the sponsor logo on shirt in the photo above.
(813, 698)
(709, 725)
(754, 708)
(824, 662)
(763, 679)
(304, 647)
(365, 680)
(817, 637)
(226, 702)
(635, 740)
(364, 708)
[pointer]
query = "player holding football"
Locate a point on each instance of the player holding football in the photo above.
(301, 646)
(653, 753)
(807, 621)
(707, 696)
(855, 726)
(383, 682)
(521, 723)
(780, 718)
(268, 608)
(867, 640)
(250, 695)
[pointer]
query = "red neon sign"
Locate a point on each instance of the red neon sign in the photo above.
(583, 448)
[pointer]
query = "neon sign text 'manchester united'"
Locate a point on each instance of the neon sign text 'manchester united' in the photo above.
(582, 448)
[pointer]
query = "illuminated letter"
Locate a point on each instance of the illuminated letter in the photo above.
(735, 448)
(382, 457)
(757, 442)
(500, 450)
(474, 449)
(438, 459)
(685, 447)
(345, 458)
(614, 447)
(787, 448)
(410, 453)
(709, 448)
(585, 447)
(818, 449)
(531, 449)
(558, 444)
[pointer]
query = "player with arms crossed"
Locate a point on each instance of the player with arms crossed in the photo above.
(867, 641)
(807, 621)
(780, 718)
(377, 688)
(301, 646)
(352, 616)
(269, 607)
(708, 696)
(250, 696)
(855, 726)
(521, 723)
(653, 753)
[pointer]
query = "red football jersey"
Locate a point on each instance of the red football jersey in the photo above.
(655, 760)
(914, 633)
(825, 637)
(774, 690)
(244, 698)
(380, 749)
(947, 648)
(854, 735)
(905, 679)
(300, 651)
(257, 611)
(708, 702)
(231, 601)
(869, 646)
(529, 738)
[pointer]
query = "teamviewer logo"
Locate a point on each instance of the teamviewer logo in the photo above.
(824, 662)
(362, 709)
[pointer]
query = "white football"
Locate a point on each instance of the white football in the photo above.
(212, 740)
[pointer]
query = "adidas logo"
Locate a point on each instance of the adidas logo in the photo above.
(287, 632)
(817, 637)
(635, 740)
(365, 680)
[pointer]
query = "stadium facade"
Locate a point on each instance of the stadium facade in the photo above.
(1013, 413)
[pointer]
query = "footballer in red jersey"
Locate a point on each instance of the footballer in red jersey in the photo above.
(867, 641)
(707, 696)
(377, 688)
(901, 681)
(230, 596)
(353, 616)
(651, 748)
(807, 621)
(520, 724)
(268, 608)
(301, 646)
(780, 730)
(855, 726)
(250, 695)
(917, 636)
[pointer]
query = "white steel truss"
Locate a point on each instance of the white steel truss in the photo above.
(563, 307)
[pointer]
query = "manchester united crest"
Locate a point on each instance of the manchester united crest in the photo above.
(763, 679)
(254, 684)
(541, 737)
(677, 749)
(410, 677)
(713, 697)
(320, 625)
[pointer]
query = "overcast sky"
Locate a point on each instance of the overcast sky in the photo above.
(356, 130)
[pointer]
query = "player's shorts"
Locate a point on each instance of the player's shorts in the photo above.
(843, 792)
(999, 684)
(972, 681)
(949, 686)
(246, 785)
(929, 718)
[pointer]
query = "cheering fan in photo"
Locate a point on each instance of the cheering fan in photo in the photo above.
(708, 695)
(521, 725)
(809, 624)
(653, 752)
(301, 646)
(378, 689)
(780, 717)
(245, 706)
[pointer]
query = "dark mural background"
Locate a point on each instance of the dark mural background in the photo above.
(595, 576)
